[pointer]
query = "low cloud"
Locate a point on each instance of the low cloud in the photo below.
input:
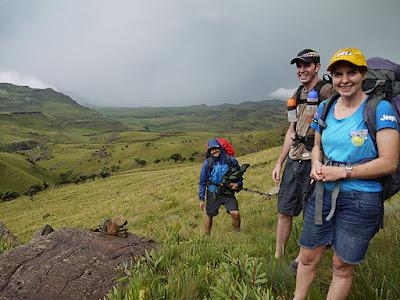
(21, 79)
(282, 93)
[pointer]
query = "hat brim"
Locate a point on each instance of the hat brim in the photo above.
(329, 68)
(303, 59)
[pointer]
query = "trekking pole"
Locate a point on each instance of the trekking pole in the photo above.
(257, 192)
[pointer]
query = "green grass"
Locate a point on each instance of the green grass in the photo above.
(18, 174)
(163, 205)
(80, 154)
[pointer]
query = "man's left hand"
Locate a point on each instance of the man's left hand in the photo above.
(234, 186)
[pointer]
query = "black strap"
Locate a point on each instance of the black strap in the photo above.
(325, 79)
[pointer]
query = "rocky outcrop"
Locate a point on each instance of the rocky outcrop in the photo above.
(67, 264)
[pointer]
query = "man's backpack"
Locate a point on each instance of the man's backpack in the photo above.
(382, 83)
(325, 79)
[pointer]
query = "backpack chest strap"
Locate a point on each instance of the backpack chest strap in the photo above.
(320, 187)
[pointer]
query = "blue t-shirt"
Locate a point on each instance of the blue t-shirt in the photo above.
(348, 141)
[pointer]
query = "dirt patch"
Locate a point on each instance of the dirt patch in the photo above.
(67, 264)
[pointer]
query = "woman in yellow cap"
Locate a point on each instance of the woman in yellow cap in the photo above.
(347, 208)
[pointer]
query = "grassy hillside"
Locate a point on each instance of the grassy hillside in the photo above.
(262, 115)
(59, 153)
(61, 110)
(17, 174)
(48, 133)
(163, 205)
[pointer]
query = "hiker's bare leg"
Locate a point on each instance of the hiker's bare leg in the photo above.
(283, 230)
(235, 219)
(207, 224)
(307, 268)
(342, 279)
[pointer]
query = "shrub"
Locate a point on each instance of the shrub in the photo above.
(142, 162)
(176, 157)
(8, 195)
(33, 190)
(66, 177)
(104, 173)
(80, 178)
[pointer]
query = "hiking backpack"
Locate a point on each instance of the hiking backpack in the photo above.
(226, 145)
(325, 79)
(381, 84)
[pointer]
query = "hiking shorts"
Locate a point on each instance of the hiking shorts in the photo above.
(214, 201)
(358, 216)
(295, 187)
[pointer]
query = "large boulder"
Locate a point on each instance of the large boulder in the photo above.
(67, 264)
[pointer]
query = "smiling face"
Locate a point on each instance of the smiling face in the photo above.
(215, 152)
(347, 79)
(306, 71)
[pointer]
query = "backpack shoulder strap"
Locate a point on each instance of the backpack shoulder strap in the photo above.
(325, 79)
(328, 104)
(369, 114)
(298, 93)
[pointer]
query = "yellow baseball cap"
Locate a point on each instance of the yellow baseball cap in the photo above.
(352, 55)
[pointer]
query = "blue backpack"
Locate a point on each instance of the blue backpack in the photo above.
(381, 84)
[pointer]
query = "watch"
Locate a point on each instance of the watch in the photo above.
(348, 168)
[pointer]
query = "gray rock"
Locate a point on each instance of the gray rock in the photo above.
(67, 264)
(45, 230)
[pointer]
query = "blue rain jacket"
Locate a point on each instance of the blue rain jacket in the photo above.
(211, 178)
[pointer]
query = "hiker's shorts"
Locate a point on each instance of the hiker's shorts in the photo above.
(214, 201)
(295, 186)
(358, 216)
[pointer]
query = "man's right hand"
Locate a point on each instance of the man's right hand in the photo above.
(276, 173)
(202, 205)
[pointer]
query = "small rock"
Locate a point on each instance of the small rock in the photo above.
(45, 230)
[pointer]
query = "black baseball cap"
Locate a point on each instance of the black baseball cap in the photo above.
(306, 55)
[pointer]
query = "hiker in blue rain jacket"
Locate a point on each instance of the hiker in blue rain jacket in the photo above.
(215, 166)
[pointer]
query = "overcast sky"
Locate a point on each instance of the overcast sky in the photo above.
(182, 52)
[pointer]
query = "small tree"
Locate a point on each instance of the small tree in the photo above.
(142, 162)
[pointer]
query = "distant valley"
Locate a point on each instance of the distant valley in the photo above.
(48, 138)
